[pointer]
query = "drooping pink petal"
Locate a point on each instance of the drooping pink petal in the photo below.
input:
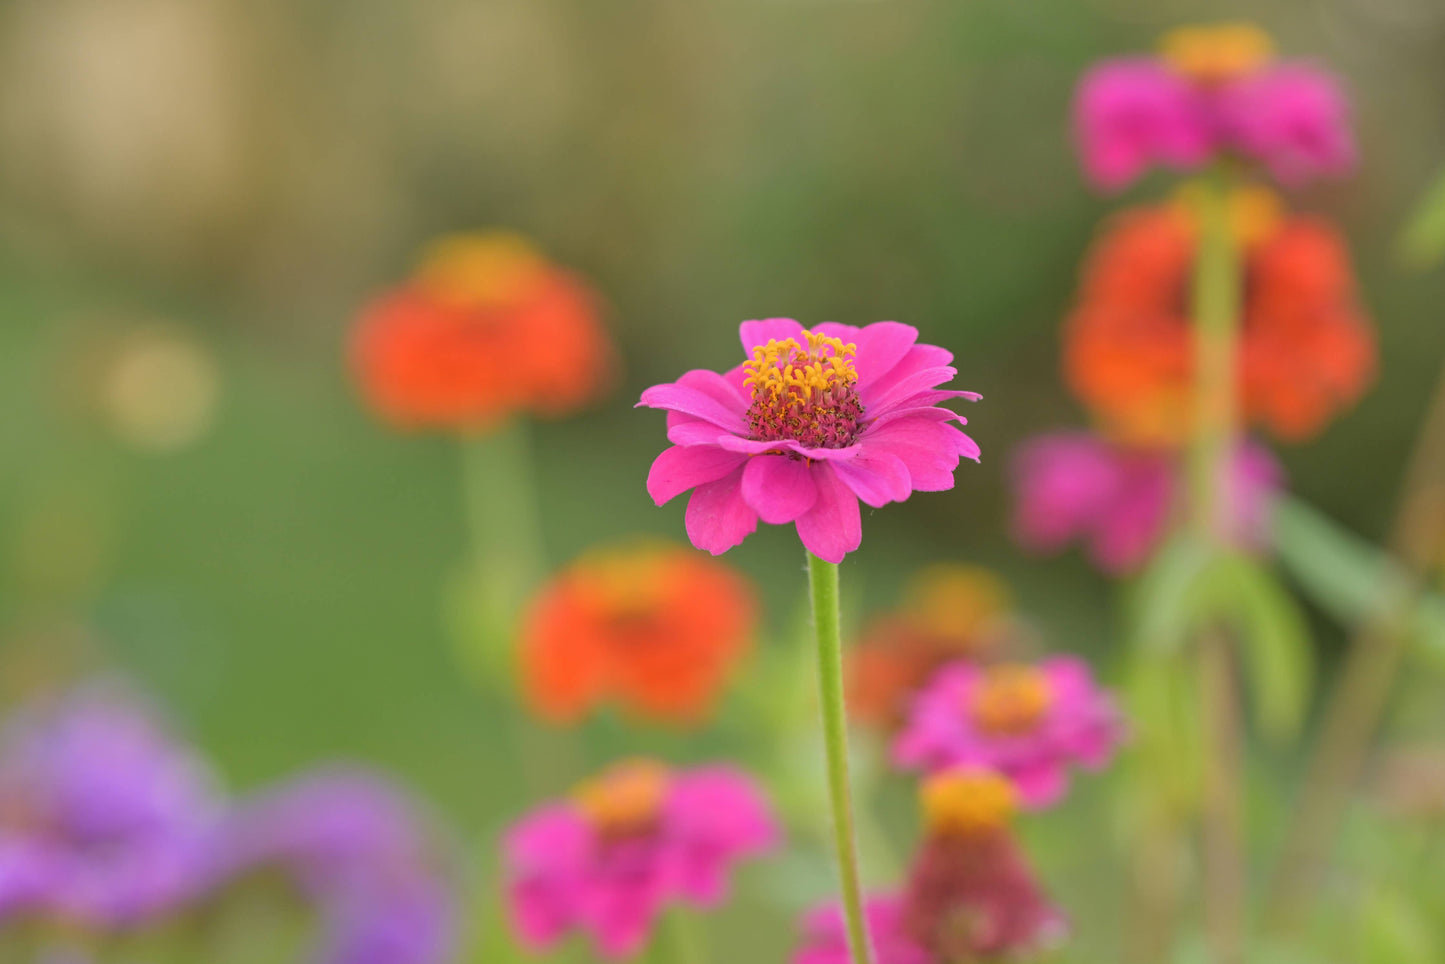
(916, 359)
(755, 333)
(1292, 118)
(833, 527)
(681, 468)
(1132, 113)
(877, 477)
(778, 487)
(924, 446)
(718, 517)
(692, 401)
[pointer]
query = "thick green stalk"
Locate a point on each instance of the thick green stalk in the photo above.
(823, 582)
(1216, 320)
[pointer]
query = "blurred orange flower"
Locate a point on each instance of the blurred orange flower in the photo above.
(1306, 347)
(949, 612)
(658, 628)
(485, 328)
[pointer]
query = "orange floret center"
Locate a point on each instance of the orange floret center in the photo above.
(625, 799)
(485, 270)
(967, 802)
(805, 392)
(1010, 700)
(1216, 53)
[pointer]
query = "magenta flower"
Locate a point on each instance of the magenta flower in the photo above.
(825, 936)
(1029, 723)
(1214, 91)
(814, 422)
(1078, 486)
(628, 843)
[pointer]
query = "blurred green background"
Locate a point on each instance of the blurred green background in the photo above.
(235, 177)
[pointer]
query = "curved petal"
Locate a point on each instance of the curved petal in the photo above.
(778, 487)
(716, 386)
(903, 392)
(694, 431)
(925, 445)
(755, 333)
(881, 346)
(684, 467)
(833, 527)
(690, 400)
(916, 359)
(717, 517)
(876, 477)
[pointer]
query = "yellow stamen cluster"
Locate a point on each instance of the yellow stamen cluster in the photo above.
(1010, 700)
(804, 391)
(784, 367)
(483, 270)
(626, 798)
(967, 802)
(1219, 52)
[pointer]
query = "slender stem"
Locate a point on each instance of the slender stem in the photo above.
(1360, 697)
(1216, 321)
(683, 939)
(823, 582)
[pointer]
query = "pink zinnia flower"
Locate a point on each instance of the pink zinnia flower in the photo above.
(970, 893)
(628, 843)
(1077, 486)
(1030, 723)
(825, 935)
(1213, 90)
(815, 421)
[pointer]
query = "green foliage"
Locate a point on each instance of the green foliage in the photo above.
(1422, 244)
(1395, 929)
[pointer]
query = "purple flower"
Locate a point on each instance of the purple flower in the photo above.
(1215, 90)
(1029, 723)
(825, 935)
(1072, 486)
(631, 841)
(355, 845)
(105, 820)
(814, 422)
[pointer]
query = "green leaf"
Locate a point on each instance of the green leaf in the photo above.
(1276, 649)
(1422, 243)
(1348, 577)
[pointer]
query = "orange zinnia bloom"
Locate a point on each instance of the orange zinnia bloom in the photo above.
(1306, 348)
(657, 628)
(950, 612)
(485, 328)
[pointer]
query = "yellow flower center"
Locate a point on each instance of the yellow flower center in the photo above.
(955, 603)
(627, 798)
(1010, 700)
(484, 270)
(1216, 53)
(804, 392)
(967, 802)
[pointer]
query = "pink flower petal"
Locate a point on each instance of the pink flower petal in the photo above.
(924, 445)
(692, 401)
(710, 383)
(905, 390)
(683, 467)
(692, 431)
(780, 488)
(916, 359)
(881, 346)
(833, 527)
(717, 516)
(877, 477)
(755, 333)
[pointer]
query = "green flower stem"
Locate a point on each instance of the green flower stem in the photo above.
(1217, 285)
(823, 582)
(501, 503)
(682, 938)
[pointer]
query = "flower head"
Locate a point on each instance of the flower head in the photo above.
(970, 894)
(1306, 349)
(949, 612)
(656, 627)
(486, 328)
(1212, 91)
(1028, 722)
(1118, 500)
(630, 842)
(812, 422)
(105, 820)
